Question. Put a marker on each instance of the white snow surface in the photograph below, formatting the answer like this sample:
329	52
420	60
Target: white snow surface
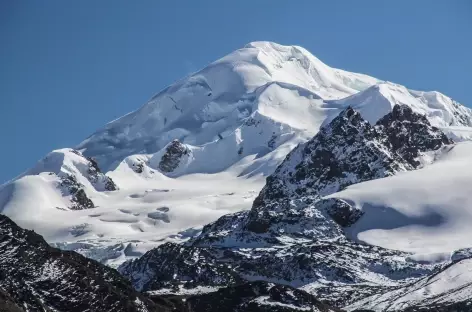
426	211
239	117
128	222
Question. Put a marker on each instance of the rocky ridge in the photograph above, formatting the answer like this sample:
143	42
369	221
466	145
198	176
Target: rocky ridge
37	277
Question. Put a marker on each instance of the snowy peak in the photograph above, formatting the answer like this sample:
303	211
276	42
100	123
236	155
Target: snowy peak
377	100
74	176
295	65
347	150
70	162
284	83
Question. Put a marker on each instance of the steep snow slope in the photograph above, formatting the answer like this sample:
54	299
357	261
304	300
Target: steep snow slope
252	101
234	122
263	77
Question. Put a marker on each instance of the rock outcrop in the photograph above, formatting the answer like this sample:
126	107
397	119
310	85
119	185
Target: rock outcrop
173	155
37	277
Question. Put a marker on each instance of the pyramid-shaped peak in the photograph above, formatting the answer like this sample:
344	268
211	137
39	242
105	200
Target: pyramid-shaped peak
349	119
402	113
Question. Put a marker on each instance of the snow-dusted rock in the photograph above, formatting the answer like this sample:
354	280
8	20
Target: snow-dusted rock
410	134
448	290
173	155
37	277
257	297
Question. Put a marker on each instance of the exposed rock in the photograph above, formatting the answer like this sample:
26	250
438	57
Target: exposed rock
8	304
95	176
87	167
342	213
346	151
37	277
70	186
173	156
81	201
461	254
272	141
409	134
164	264
138	167
257	297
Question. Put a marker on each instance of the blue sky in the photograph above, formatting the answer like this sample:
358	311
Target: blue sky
68	67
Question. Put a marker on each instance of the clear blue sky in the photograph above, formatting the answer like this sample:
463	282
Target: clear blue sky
68	67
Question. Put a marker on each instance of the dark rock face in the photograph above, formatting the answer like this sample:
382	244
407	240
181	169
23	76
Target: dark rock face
138	167
292	235
81	201
8	304
409	134
99	180
461	254
37	277
185	262
257	297
173	155
349	150
338	262
70	186
95	176
341	212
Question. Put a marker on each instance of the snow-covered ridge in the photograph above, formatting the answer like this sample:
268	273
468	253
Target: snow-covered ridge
287	87
378	100
69	162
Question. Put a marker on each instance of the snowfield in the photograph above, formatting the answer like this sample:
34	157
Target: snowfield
235	121
426	211
128	222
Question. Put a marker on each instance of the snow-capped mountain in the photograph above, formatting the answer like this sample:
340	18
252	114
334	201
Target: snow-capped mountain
301	230
372	172
199	149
